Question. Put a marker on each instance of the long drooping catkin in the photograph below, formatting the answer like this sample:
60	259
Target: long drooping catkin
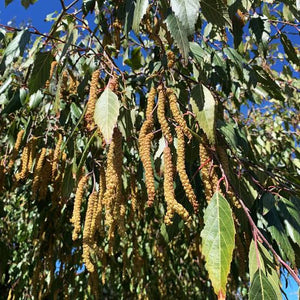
75	220
169	193
53	65
177	114
102	188
180	165
150	103
208	175
32	151
16	149
93	95
112	197
37	172
56	155
161	115
87	231
45	175
24	164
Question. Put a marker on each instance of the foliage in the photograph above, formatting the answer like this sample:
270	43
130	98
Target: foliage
113	106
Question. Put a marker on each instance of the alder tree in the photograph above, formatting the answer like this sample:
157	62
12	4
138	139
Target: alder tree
150	150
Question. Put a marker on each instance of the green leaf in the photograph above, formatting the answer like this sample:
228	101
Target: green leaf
218	241
291	218
215	12
179	34
261	259
261	288
106	113
35	99
15	48
135	62
139	12
88	6
187	12
289	49
41	71
203	105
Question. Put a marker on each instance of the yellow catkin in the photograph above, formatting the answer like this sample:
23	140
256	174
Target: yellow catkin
177	114
171	59
145	140
169	193
93	96
45	176
208	175
180	165
53	65
133	193
75	220
24	164
32	152
150	103
63	92
102	188
16	149
37	172
56	155
87	233
161	115
113	193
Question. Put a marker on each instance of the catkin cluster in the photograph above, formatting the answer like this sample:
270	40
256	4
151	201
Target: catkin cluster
20	176
93	95
16	149
75	220
208	174
177	114
169	193
145	139
37	174
181	169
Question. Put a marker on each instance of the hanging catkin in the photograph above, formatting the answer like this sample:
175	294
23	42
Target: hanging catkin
208	174
53	65
177	114
56	155
161	115
180	165
24	164
32	151
37	172
169	193
45	175
102	188
16	149
93	95
75	220
112	199
150	103
171	59
87	233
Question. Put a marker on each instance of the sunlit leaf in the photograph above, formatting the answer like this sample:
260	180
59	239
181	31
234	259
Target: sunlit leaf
106	113
204	105
218	241
139	12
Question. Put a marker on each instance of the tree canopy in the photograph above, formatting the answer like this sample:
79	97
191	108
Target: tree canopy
150	150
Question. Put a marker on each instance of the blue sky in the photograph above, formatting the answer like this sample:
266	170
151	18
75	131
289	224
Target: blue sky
15	15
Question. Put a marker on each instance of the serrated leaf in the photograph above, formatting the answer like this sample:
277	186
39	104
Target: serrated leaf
106	113
179	34
261	288
289	49
187	12
15	48
261	259
218	241
41	71
139	12
203	105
